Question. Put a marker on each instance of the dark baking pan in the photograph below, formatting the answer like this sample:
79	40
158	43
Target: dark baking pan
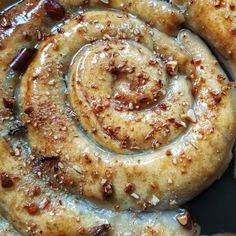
215	208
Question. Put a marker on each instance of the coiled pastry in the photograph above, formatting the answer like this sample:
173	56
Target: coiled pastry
107	119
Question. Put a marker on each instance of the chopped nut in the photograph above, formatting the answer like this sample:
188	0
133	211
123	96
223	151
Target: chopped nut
173	203
32	208
107	188
174	160
196	61
172	68
22	59
220	77
163	106
108	173
60	165
8	103
155	200
135	196
217	3
46	202
170	181
6	180
5	23
233	32
39	35
100	230
217	98
129	188
54	10
168	152
29	110
143	99
105	1
185	220
191	116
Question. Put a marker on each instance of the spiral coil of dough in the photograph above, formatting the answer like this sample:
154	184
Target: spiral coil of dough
120	115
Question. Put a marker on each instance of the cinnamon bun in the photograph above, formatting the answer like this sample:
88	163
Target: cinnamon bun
111	118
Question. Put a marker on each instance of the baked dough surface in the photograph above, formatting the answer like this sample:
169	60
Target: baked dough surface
119	117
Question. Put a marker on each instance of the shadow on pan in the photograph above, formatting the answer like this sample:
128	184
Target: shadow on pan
215	208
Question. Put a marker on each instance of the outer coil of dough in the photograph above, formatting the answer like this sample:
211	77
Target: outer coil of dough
215	22
63	214
145	122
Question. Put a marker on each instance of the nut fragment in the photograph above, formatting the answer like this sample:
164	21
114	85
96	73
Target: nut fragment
105	1
185	220
233	32
107	188
129	188
54	10
22	59
6	180
172	68
191	116
100	230
135	196
155	200
32	208
8	103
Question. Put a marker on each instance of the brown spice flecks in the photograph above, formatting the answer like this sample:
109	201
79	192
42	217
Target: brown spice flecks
124	142
107	188
163	106
113	133
100	230
34	191
185	220
6	180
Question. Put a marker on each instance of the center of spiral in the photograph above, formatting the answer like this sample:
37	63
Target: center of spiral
124	74
115	88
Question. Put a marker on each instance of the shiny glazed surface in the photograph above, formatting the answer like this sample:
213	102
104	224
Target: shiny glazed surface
118	112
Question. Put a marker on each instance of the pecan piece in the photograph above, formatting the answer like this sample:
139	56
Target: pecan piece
6	180
54	10
100	230
185	220
22	59
107	188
